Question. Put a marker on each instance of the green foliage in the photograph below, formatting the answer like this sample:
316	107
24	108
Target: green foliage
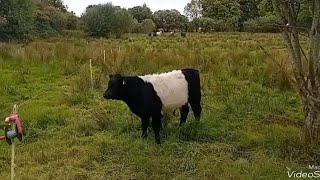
122	22
194	25
226	10
193	9
72	22
265	7
248	10
105	19
170	20
141	13
212	25
305	15
16	19
58	20
147	26
23	20
42	24
52	21
135	27
57	4
262	24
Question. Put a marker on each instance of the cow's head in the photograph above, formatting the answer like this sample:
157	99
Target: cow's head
115	87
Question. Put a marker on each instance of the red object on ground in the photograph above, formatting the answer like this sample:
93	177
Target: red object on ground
15	118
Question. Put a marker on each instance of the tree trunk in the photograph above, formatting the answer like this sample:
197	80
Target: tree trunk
312	124
308	82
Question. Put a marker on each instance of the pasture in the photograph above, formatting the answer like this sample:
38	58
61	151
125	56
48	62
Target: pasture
251	125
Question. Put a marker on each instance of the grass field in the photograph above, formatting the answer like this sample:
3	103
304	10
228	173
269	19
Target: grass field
251	126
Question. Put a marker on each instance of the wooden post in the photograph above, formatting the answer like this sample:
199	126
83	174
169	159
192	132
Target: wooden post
12	157
91	75
131	45
104	56
15	111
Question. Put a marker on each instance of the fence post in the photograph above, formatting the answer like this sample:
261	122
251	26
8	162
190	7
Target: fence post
91	75
14	111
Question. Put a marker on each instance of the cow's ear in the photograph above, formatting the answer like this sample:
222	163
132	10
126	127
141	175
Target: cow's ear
110	76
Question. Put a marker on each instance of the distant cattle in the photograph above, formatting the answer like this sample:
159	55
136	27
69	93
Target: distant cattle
183	34
151	96
172	33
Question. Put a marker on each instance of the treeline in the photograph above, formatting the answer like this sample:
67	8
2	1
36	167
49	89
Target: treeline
108	20
241	15
26	20
30	19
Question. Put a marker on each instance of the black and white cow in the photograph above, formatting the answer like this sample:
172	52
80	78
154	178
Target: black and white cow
150	96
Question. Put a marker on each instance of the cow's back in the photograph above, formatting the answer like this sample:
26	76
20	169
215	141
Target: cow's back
172	89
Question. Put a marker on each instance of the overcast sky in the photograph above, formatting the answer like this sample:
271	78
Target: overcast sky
78	6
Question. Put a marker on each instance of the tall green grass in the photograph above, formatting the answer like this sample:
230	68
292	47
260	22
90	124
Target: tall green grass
251	126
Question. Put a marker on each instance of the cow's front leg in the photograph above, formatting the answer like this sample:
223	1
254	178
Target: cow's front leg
156	125
144	126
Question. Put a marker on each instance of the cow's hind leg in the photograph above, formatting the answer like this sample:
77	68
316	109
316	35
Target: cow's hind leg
193	78
195	103
184	110
196	109
156	125
144	126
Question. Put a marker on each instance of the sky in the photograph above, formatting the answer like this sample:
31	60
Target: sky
78	6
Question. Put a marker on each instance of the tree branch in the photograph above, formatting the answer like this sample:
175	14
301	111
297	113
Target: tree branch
293	45
279	65
314	66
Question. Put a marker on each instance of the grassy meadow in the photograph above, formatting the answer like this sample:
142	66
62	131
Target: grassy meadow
251	126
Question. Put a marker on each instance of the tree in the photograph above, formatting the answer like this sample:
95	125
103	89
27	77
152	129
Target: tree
58	20
225	10
141	12
105	19
307	82
261	24
170	19
207	24
248	10
122	22
194	25
72	22
265	7
58	4
211	25
16	19
193	9
147	26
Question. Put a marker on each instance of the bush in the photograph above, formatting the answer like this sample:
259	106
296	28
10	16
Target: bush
42	25
72	22
147	26
58	20
212	25
104	20
48	23
135	27
262	24
15	19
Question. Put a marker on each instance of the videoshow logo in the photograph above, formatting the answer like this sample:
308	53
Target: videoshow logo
314	172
